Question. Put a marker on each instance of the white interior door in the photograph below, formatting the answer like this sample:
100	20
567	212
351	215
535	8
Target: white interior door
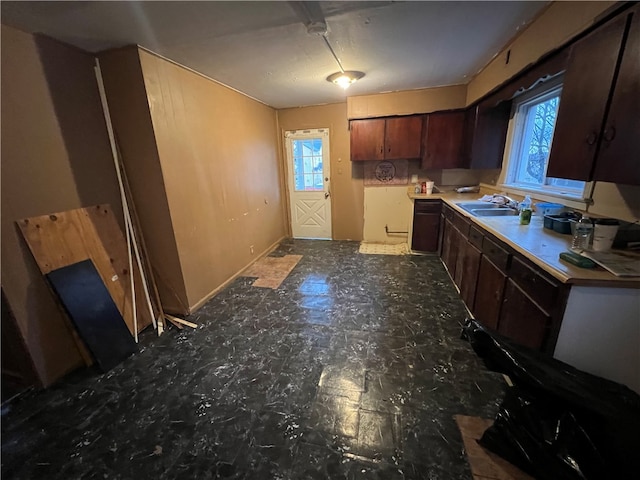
308	183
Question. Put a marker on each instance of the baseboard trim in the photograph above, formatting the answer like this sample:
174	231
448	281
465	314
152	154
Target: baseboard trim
216	290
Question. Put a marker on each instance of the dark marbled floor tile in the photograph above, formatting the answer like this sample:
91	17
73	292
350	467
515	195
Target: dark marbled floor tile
353	368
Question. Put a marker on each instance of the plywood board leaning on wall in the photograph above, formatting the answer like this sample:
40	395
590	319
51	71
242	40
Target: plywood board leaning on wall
61	239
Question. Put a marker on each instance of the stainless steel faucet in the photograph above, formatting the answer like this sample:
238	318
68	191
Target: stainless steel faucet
507	201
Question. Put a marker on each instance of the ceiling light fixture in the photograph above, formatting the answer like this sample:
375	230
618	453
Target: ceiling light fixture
343	78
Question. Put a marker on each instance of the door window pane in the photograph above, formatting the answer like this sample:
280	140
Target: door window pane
307	164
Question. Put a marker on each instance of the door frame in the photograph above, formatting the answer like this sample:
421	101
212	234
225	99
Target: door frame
325	133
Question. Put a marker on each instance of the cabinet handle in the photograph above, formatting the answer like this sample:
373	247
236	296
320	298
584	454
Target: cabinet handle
591	138
381	149
610	133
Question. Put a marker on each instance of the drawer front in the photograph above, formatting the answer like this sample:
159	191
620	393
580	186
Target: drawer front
448	212
427	206
541	290
498	255
462	224
475	237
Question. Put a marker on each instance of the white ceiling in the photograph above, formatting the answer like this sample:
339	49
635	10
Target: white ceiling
263	48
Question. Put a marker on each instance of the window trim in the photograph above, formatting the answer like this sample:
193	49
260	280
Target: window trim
514	144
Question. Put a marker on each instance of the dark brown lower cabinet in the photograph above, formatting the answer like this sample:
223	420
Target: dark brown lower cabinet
459	242
470	266
489	292
450	247
426	226
521	319
504	291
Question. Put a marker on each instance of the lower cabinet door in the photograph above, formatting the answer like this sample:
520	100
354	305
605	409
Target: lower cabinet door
521	319
426	229
450	247
489	292
470	266
458	242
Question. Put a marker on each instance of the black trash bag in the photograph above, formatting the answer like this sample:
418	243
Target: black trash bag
558	422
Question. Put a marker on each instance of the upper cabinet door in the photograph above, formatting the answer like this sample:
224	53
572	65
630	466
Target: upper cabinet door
619	155
403	137
443	140
489	126
585	91
367	139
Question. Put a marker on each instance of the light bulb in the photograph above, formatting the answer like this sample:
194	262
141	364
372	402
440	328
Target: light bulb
343	81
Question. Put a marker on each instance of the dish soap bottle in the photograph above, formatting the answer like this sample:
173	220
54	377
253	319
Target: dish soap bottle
582	234
525	211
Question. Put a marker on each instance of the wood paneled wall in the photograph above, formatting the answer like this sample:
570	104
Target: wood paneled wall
203	164
131	118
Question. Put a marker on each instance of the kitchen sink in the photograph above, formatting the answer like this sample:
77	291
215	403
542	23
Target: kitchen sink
468	206
485	209
494	212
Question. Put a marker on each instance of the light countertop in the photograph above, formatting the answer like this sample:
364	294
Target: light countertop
540	245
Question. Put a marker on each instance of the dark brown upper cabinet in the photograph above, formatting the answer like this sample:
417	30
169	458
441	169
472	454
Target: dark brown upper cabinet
597	133
486	134
391	138
367	139
443	140
619	153
402	137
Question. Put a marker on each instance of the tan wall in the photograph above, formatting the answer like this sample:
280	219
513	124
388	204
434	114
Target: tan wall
557	24
617	201
131	118
390	207
407	102
219	157
347	206
55	157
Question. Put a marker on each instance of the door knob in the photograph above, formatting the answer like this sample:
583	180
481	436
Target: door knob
326	195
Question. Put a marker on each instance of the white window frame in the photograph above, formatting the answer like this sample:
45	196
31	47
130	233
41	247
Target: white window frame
515	137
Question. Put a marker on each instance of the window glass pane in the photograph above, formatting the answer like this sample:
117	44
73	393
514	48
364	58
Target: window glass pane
308	165
297	165
317	164
307	147
299	179
308	182
537	136
566	183
317	181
